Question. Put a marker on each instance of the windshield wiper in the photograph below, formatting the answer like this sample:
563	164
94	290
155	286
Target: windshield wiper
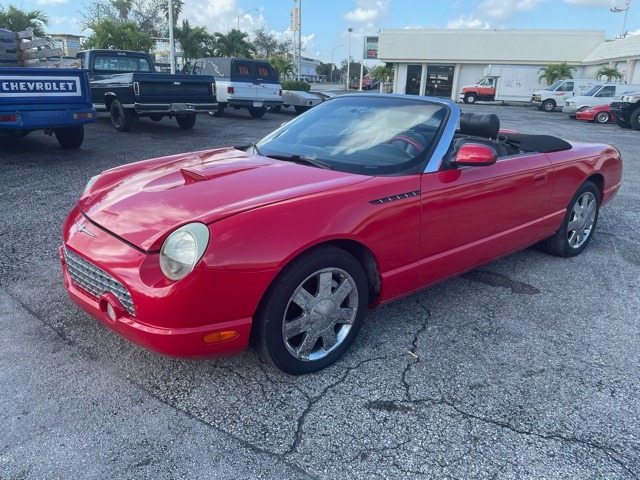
302	160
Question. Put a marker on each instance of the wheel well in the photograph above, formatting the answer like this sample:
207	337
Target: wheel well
368	262
598	181
108	100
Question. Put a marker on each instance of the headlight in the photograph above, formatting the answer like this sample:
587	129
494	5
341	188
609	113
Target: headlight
182	250
89	184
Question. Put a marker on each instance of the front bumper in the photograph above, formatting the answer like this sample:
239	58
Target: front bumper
570	110
173	108
171	318
536	103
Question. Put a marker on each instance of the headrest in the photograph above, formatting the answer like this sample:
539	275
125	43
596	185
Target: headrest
477	125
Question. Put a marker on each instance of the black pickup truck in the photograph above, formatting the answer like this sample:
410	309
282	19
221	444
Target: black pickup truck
627	111
126	85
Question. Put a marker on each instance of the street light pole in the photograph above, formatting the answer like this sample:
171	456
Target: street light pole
349	56
172	43
332	65
624	9
299	39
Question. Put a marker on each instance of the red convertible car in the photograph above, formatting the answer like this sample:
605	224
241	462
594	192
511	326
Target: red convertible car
598	114
360	201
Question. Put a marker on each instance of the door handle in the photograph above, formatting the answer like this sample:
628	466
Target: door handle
540	177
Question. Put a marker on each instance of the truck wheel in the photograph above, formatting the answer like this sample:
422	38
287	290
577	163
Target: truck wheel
70	137
121	119
634	119
257	112
548	106
470	98
301	109
220	111
623	123
186	121
276	109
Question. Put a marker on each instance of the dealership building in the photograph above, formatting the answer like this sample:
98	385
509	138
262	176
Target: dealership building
439	62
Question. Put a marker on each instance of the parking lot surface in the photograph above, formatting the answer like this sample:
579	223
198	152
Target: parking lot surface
526	368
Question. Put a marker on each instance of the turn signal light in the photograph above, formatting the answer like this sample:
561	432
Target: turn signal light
222	336
9	118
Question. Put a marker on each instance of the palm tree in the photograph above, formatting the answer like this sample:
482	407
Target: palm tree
177	10
123	7
233	44
611	73
193	40
18	20
283	66
111	34
554	72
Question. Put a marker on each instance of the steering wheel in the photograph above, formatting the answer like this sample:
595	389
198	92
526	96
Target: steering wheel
411	143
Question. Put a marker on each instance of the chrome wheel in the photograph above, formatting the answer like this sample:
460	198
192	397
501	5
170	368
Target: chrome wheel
602	117
320	314
582	220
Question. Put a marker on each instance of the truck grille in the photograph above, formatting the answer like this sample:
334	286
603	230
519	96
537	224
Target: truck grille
96	281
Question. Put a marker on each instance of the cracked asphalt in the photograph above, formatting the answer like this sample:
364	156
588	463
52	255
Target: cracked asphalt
527	368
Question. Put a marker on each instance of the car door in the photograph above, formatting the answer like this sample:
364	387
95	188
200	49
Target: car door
471	215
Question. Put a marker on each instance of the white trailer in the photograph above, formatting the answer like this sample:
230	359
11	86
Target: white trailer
505	83
301	101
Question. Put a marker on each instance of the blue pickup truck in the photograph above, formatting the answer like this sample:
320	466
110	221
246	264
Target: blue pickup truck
57	101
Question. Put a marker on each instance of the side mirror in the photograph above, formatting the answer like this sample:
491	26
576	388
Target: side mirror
475	155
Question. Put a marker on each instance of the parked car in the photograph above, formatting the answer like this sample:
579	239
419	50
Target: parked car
598	114
242	83
557	94
357	202
126	84
627	110
600	94
57	101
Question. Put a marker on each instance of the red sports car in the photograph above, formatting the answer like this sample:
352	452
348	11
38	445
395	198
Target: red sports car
360	201
599	114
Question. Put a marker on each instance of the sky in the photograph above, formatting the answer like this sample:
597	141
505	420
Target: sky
325	23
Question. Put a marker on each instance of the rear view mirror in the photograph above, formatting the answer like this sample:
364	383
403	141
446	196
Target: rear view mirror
475	154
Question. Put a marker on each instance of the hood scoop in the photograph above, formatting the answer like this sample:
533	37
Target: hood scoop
201	173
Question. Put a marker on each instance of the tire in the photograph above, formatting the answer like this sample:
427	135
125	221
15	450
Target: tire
19	133
276	109
578	225
634	119
121	118
623	123
220	111
470	98
320	297
257	112
156	117
602	117
186	122
548	106
301	109
70	137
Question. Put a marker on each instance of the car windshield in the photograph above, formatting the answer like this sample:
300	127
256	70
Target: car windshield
361	134
592	91
555	85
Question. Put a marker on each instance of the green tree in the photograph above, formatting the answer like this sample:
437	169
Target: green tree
553	72
354	69
381	72
324	69
111	34
178	5
123	7
17	20
265	43
283	66
611	73
233	44
193	40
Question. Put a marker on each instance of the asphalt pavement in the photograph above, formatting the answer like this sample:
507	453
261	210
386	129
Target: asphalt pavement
526	368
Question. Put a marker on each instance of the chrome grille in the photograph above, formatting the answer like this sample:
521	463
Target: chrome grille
96	281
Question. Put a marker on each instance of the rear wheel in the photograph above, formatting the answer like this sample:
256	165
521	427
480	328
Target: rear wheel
70	137
257	112
548	106
220	111
623	123
634	119
312	312
186	121
602	117
121	118
578	225
470	98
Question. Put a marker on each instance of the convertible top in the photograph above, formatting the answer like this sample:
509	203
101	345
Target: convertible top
537	143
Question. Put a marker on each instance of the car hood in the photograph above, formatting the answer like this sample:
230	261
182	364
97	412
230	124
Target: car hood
145	206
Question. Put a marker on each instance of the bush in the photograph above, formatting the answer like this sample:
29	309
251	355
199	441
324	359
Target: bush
300	86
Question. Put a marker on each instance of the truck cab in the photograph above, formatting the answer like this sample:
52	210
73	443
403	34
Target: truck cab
557	94
484	90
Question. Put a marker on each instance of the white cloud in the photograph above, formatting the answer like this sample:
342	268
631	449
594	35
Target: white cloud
494	13
594	3
50	3
465	21
371	12
216	15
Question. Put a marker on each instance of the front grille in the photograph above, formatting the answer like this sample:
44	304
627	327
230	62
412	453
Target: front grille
95	281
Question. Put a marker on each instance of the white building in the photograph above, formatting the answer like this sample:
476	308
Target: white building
440	61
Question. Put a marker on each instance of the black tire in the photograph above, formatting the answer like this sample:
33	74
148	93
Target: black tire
583	210
220	111
186	121
19	133
257	112
301	109
470	98
121	118
325	310
70	137
548	106
276	109
634	119
602	117
156	117
623	123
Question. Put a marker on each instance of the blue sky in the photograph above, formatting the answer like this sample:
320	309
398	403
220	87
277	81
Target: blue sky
325	22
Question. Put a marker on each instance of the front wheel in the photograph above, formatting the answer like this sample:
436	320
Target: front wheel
257	112
548	106
121	118
312	312
470	98
634	119
602	117
578	225
186	121
70	137
623	123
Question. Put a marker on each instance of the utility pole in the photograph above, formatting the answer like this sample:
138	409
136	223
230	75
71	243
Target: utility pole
299	39
349	56
172	45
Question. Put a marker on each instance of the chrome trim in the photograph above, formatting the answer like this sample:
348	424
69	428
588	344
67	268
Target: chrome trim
95	281
434	163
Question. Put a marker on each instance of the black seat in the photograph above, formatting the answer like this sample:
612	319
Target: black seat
476	125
